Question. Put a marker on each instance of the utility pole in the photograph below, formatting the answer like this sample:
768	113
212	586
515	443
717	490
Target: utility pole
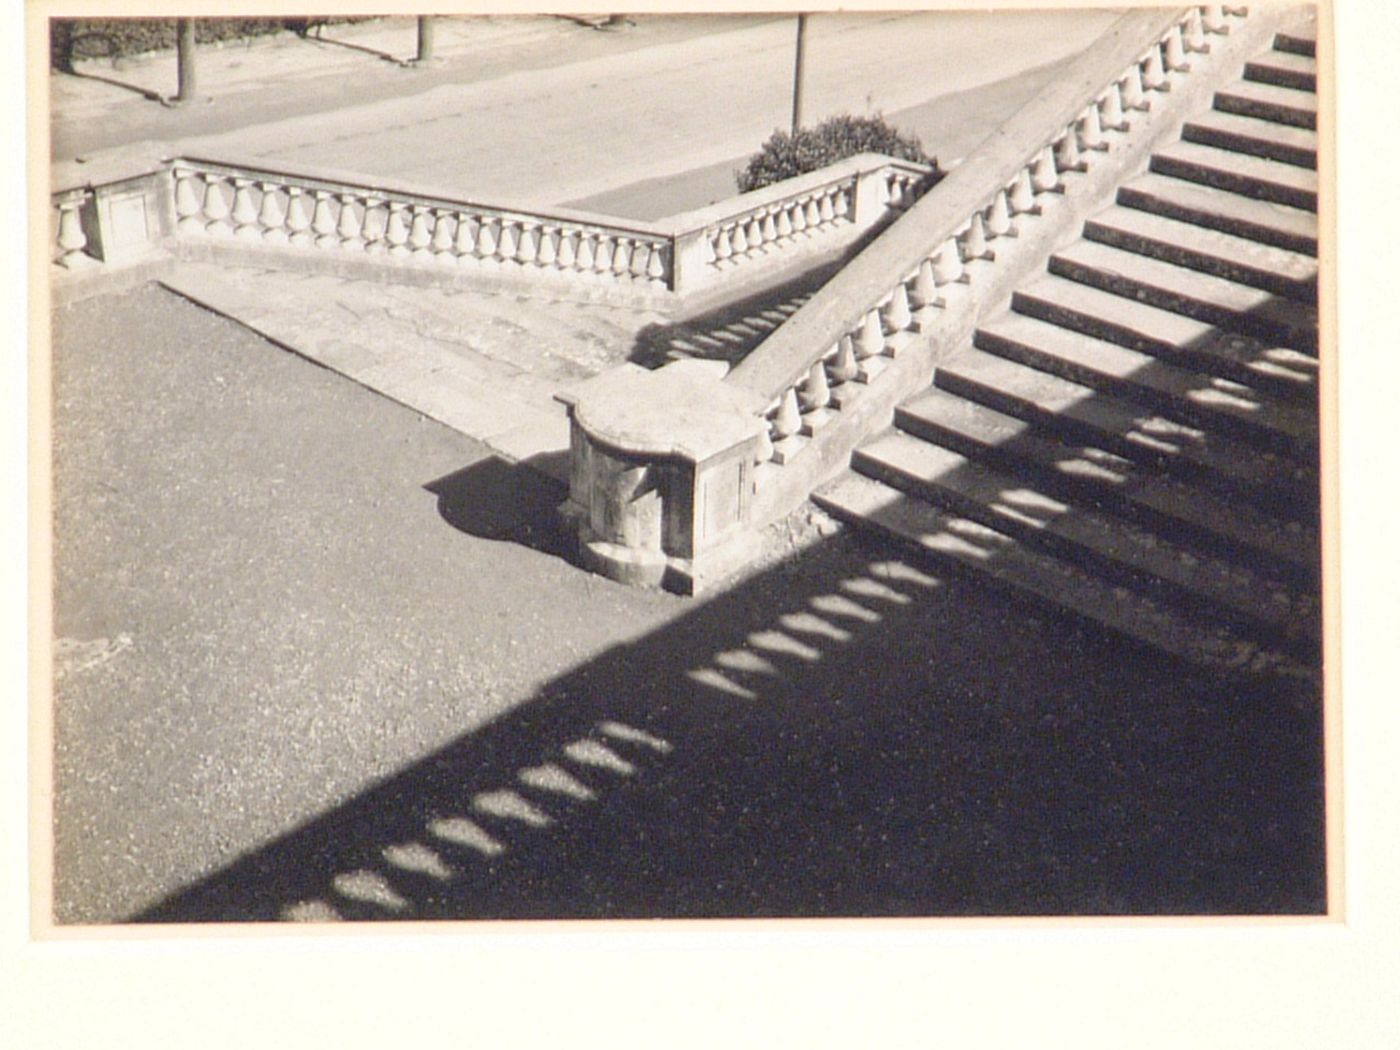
797	73
425	41
184	47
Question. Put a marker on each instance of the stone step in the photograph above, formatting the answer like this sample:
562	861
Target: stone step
1171	336
1082	413
1259	138
1298	40
1086	537
1205	297
1202	205
1201	400
961	543
1238	259
1257	177
1284	68
1089	474
1285	105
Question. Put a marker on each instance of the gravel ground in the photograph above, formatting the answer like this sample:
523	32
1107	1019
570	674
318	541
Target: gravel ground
318	658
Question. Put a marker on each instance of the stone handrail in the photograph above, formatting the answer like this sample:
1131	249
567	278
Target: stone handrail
218	200
859	191
841	339
213	202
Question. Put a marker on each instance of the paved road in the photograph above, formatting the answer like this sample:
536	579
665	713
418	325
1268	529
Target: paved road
657	101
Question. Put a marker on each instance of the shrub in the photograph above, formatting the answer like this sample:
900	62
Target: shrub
785	155
79	38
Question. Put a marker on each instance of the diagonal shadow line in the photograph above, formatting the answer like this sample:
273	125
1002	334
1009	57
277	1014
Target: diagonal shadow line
146	93
384	55
898	767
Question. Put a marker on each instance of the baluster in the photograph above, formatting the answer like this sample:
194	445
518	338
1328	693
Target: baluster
486	239
548	252
814	213
323	220
244	213
72	241
216	208
1175	52
188	203
1213	18
1112	116
622	256
1196	31
641	260
1067	156
825	209
1091	130
507	242
974	240
738	240
586	255
925	288
788	419
527	247
844	368
764	451
568	250
722	247
799	218
1154	75
420	233
271	215
947	264
770	229
871	340
350	226
603	254
843	204
444	235
816	393
783	223
753	234
464	245
999	216
374	224
1022	198
298	220
1044	177
1133	95
396	231
656	264
897	315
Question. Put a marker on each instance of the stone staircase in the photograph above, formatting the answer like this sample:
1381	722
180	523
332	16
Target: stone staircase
1135	439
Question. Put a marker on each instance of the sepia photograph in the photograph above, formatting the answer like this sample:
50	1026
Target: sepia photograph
511	468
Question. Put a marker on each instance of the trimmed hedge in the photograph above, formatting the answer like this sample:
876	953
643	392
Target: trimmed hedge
80	38
785	155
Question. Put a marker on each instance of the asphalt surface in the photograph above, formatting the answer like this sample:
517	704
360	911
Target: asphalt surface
319	658
499	121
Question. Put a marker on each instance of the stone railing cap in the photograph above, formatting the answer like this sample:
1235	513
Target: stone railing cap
675	412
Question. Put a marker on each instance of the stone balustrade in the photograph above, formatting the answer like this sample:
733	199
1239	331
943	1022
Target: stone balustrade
821	362
274	209
832	374
214	202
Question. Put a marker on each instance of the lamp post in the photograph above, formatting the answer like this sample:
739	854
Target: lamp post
797	73
425	41
184	46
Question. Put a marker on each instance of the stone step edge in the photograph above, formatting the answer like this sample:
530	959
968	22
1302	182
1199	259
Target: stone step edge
859	500
1148	498
1129	564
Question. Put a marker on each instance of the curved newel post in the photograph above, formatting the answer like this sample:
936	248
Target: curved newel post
661	471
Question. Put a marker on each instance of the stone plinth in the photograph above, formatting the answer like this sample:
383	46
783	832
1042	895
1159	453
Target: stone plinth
661	468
